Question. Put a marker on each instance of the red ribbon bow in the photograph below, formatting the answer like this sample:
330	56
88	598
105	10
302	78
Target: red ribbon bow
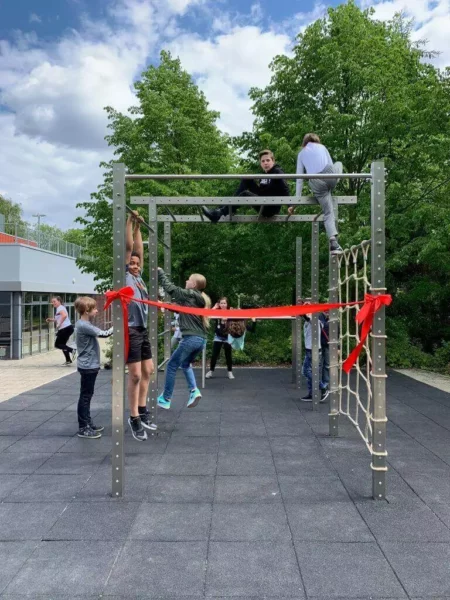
372	304
125	295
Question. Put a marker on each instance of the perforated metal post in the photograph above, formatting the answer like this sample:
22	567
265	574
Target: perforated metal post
333	343
297	322
118	355
315	318
378	374
204	367
153	311
168	315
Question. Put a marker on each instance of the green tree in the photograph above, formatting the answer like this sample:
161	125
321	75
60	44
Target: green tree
12	211
170	130
368	91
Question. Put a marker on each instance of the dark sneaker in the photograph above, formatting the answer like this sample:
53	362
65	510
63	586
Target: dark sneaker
325	394
147	422
98	428
137	431
88	433
212	215
307	398
335	247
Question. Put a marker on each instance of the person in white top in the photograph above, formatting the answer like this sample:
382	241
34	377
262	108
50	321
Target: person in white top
315	158
64	330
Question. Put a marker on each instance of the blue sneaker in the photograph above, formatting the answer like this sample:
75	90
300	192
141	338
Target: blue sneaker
194	398
163	403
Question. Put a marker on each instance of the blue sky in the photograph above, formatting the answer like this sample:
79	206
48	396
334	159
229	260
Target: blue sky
63	61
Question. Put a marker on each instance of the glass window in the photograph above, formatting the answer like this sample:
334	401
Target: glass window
26	330
5	297
27	298
36	298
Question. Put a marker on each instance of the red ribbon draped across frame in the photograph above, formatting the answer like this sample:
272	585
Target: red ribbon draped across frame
365	316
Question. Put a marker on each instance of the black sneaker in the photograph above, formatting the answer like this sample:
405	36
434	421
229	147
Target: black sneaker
307	398
137	431
212	215
147	421
88	433
325	394
335	247
98	428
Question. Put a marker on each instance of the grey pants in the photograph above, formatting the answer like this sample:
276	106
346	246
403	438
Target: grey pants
321	189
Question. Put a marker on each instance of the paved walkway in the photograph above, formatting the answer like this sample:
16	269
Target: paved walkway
244	496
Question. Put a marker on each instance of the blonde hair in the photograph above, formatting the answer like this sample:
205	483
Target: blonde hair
85	304
267	151
200	284
310	137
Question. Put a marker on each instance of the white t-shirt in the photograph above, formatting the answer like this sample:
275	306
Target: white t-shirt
66	322
313	158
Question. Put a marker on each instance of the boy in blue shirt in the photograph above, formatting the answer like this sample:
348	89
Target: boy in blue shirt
88	364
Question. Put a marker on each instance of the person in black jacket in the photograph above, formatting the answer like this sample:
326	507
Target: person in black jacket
251	187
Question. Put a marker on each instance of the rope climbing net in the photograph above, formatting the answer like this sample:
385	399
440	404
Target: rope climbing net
355	388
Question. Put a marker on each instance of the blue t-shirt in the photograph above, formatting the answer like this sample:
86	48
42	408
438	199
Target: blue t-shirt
137	312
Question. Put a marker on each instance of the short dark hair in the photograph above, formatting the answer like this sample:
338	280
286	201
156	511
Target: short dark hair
266	151
310	137
85	304
136	254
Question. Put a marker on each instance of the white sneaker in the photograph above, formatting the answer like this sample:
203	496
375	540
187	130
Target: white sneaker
209	374
230	375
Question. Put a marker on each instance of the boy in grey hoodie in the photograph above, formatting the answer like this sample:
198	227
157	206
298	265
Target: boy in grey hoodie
88	364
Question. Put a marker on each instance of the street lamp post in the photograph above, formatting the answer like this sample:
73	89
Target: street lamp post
38	217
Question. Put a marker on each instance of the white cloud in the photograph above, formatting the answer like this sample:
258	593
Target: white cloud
34	18
228	65
431	22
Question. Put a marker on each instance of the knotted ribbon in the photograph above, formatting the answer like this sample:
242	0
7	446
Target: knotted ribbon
371	305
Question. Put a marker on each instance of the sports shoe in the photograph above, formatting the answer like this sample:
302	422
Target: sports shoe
307	398
209	375
137	431
98	428
194	398
325	394
212	215
230	375
68	363
74	354
163	403
88	433
147	421
335	247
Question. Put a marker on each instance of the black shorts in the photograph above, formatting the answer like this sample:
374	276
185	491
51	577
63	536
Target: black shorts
139	348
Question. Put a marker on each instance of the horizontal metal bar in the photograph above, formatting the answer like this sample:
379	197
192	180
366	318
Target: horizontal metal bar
242	219
131	177
237	200
164	332
141	221
163	363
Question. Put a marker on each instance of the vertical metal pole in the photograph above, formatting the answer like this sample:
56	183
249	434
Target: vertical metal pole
118	354
297	322
333	343
204	367
315	318
153	311
378	374
168	315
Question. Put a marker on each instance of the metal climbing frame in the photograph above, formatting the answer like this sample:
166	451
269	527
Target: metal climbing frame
119	217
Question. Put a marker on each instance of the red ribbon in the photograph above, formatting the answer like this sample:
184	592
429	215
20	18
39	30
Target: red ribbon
125	295
372	304
365	316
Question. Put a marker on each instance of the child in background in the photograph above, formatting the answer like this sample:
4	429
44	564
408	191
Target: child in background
88	364
307	363
193	330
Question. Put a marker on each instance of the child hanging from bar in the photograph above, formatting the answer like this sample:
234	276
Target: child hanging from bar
193	330
88	364
139	360
315	158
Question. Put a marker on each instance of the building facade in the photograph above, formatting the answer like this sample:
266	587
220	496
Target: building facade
29	277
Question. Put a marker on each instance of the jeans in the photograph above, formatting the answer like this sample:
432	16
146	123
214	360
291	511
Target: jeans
321	189
307	370
62	337
88	377
189	347
217	346
325	366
